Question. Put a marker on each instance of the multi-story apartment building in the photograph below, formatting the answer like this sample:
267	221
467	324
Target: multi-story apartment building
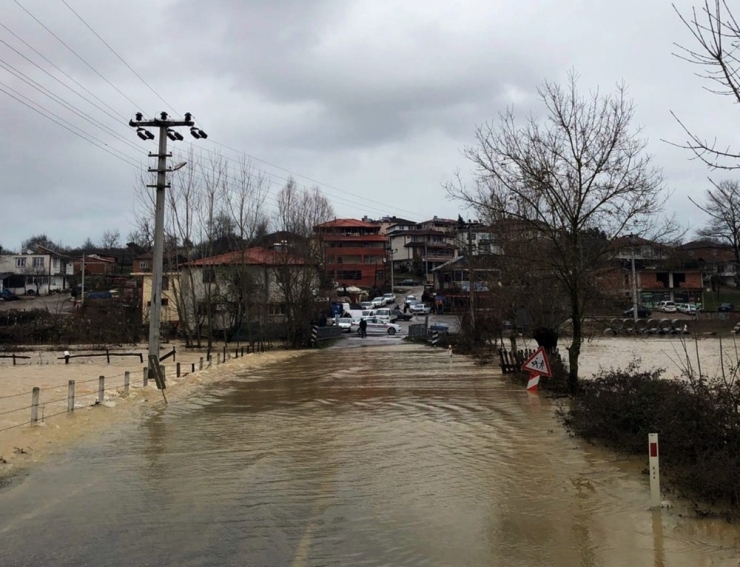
354	252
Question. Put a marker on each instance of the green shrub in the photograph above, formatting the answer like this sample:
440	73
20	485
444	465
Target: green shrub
698	422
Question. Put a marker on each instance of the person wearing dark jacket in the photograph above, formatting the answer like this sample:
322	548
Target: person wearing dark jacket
363	328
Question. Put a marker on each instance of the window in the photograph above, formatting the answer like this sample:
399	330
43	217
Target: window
350	275
20	262
165	284
209	275
143	265
38	262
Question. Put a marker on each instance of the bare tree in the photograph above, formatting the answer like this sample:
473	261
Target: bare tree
299	274
581	169
723	207
111	239
716	34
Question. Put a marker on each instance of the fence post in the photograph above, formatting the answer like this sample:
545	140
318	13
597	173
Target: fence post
71	396
218	358
192	368
101	389
126	382
243	351
162	370
35	405
146	376
201	363
107	355
177	367
13	359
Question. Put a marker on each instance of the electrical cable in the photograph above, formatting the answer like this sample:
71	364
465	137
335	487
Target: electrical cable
63	126
75	53
37	52
119	57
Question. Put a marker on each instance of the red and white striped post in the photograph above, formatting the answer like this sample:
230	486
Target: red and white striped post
654	467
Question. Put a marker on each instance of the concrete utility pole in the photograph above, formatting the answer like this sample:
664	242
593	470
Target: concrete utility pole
165	125
631	241
471	278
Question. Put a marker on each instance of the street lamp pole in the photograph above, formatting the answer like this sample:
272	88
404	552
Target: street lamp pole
390	253
631	241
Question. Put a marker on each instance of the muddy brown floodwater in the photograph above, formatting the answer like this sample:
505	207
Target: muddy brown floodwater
381	453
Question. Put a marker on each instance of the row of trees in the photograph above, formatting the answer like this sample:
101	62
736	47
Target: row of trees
579	178
214	207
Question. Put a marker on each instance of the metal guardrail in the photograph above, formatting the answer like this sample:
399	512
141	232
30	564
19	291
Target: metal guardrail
418	331
326	333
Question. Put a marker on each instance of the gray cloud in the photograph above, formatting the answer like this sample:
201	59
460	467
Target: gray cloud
373	97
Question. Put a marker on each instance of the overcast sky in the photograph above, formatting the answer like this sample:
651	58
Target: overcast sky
373	99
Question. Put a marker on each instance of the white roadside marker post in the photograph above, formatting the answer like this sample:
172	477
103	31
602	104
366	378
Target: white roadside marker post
654	466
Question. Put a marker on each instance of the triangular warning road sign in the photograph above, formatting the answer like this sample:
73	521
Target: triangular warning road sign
538	363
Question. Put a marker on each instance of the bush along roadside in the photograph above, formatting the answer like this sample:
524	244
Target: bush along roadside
698	421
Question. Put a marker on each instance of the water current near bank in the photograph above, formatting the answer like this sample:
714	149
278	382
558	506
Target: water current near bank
377	453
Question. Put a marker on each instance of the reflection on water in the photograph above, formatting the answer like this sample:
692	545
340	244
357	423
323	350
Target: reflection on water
380	455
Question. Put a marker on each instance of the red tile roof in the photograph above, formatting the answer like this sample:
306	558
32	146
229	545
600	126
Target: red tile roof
252	256
347	223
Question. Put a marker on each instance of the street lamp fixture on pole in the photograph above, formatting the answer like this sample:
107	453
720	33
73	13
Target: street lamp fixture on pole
165	125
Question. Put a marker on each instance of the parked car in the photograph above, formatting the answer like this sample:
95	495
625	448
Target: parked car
667	307
377	327
687	308
726	307
345	323
439	327
411	299
419	308
8	295
389	298
407	282
378	301
367	305
397	314
642	312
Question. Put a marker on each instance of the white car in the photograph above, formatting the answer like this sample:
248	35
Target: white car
667	307
389	298
367	305
687	308
345	323
410	299
378	301
377	327
419	308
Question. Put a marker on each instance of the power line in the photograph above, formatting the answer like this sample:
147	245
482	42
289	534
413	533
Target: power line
37	52
308	178
334	198
119	57
70	128
75	53
59	100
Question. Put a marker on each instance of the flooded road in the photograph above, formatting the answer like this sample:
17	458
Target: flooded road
381	454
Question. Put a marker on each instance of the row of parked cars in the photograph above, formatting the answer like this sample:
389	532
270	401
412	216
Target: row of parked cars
665	307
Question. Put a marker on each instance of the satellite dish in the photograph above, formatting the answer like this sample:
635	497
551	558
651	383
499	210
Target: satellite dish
29	251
